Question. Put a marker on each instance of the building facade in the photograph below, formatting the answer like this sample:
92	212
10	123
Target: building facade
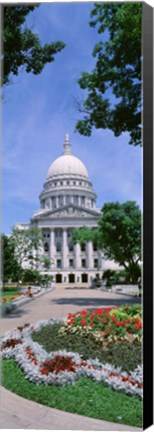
68	201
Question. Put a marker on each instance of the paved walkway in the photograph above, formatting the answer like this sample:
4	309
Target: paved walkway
25	414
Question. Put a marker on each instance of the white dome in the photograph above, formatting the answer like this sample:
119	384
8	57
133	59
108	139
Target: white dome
67	164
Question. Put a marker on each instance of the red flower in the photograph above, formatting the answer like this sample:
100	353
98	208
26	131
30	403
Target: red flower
113	374
58	363
98	311
35	361
72	321
83	322
71	315
84	314
138	326
118	324
11	343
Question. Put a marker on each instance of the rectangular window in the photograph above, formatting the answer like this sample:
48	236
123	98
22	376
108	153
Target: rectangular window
95	262
71	263
58	263
83	263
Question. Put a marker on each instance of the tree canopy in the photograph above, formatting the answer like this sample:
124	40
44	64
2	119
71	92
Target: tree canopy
118	234
85	234
21	47
114	85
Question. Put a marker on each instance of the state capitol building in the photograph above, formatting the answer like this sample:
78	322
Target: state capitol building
68	201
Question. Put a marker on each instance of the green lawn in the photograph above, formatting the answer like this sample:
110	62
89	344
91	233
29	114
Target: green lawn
85	397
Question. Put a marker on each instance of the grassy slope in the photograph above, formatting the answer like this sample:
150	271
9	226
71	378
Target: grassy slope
86	397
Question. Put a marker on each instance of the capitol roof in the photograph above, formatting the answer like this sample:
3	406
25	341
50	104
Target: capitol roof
67	163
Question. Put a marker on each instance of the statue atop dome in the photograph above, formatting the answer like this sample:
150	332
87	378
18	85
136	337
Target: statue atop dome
67	145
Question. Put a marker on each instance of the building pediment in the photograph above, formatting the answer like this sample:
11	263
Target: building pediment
68	212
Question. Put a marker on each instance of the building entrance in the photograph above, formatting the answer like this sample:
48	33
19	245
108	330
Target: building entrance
58	278
84	278
71	278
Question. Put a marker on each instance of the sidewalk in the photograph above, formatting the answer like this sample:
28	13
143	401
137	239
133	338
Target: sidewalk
25	414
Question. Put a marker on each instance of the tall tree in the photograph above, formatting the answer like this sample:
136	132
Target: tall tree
26	243
21	47
10	267
114	86
119	236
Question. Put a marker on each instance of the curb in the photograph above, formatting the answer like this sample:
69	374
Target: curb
27	300
120	293
14	306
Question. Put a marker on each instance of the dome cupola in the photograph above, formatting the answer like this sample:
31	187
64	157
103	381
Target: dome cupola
67	164
67	182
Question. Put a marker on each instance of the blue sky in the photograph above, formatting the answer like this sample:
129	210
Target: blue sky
39	110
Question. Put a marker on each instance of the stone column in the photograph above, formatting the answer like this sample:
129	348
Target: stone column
57	203
100	260
52	247
64	249
77	256
89	254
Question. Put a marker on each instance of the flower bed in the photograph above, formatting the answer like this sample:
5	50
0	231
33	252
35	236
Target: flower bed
107	324
10	298
63	367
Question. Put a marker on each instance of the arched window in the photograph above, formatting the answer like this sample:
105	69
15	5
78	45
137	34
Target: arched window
46	247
